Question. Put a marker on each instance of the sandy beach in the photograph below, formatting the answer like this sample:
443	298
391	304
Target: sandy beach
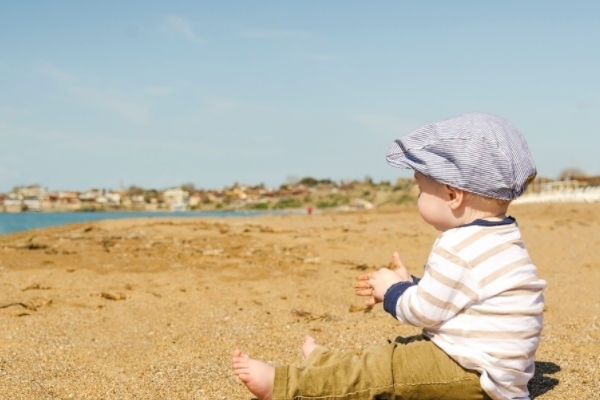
152	308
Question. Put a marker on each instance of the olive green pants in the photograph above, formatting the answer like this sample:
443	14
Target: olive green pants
408	368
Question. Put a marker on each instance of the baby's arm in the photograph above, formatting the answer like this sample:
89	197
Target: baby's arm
376	284
446	288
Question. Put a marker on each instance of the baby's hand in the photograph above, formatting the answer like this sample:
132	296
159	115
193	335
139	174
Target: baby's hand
400	268
362	287
375	284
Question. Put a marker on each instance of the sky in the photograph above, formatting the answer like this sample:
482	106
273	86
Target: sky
158	94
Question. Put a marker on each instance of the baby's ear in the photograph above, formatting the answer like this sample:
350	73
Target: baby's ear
455	197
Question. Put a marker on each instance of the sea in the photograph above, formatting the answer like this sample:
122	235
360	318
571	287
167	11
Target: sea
25	221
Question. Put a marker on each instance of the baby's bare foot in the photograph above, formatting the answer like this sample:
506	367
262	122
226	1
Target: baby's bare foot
256	375
308	346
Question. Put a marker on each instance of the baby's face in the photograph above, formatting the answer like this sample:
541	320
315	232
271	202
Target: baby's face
432	203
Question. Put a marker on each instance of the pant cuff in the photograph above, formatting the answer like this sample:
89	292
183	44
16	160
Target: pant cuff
280	382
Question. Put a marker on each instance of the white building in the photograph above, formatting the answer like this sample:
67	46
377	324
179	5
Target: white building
176	199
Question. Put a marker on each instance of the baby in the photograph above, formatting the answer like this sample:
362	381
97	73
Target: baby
479	302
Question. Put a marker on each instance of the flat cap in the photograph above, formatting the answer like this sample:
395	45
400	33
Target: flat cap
477	152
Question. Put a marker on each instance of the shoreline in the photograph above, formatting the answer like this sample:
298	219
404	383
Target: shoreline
26	221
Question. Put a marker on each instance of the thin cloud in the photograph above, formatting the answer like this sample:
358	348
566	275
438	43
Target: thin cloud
7	173
55	73
384	124
36	134
134	112
113	100
11	112
160	91
582	105
261	139
85	88
179	26
66	78
321	57
222	105
165	143
275	34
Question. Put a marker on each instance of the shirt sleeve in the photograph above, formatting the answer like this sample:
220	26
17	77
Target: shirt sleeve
446	288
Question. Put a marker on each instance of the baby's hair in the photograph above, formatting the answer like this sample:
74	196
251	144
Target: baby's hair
489	200
499	202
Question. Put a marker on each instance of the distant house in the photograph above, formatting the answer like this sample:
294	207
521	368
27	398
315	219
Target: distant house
195	199
68	197
113	198
267	192
68	200
31	192
213	196
109	199
90	196
49	201
240	192
13	203
25	198
138	199
32	204
176	199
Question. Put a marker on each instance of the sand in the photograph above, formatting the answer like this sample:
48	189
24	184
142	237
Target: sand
151	309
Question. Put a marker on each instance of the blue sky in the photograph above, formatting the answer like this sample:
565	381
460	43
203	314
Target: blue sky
156	94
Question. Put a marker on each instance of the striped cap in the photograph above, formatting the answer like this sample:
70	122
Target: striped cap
477	152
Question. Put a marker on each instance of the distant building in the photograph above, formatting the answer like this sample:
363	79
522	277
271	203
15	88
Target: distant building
113	198
138	199
24	198
31	192
176	199
109	199
90	196
32	204
13	203
68	197
195	199
49	201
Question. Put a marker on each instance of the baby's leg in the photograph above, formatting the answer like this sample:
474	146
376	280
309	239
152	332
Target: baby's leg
327	374
432	374
256	375
324	373
308	346
259	376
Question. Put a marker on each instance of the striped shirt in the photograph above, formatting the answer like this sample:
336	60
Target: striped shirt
480	301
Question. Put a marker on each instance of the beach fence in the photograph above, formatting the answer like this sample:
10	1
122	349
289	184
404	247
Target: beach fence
560	192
